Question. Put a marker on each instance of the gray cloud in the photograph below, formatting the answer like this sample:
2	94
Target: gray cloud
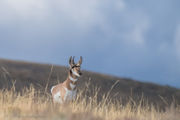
177	41
119	37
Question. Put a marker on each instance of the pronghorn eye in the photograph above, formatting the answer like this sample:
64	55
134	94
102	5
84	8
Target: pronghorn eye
75	66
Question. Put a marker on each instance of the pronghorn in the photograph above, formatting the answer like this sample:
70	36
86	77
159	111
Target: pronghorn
66	91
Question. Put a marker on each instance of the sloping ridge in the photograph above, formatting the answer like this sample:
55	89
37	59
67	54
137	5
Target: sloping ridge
25	74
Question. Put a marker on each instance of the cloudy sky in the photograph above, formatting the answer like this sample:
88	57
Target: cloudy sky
134	39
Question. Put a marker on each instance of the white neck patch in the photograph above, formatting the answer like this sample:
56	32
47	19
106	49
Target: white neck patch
72	79
72	86
75	73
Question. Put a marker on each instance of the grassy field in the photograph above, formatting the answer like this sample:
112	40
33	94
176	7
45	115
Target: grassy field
44	76
30	104
25	95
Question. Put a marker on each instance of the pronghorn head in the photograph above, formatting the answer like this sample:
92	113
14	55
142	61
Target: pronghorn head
75	68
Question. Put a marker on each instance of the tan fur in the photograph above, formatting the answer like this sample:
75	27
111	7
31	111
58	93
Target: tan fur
58	88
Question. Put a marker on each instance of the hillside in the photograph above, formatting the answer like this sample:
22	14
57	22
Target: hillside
24	74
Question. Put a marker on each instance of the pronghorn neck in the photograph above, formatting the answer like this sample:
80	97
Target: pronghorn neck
71	81
72	76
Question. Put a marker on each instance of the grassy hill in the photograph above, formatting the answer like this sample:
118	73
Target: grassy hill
43	76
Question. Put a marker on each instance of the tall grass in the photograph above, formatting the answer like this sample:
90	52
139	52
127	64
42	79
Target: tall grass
30	104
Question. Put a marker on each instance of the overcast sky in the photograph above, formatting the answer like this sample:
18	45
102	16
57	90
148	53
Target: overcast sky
134	39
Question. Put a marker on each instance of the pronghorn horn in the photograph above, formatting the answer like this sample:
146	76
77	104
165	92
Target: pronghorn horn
70	60
80	61
73	61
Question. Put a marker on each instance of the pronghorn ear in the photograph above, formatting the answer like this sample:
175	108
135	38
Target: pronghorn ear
80	61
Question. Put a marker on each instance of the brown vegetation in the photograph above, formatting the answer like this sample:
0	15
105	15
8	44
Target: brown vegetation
25	95
43	76
32	105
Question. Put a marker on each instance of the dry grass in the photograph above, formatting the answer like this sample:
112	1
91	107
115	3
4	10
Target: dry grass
43	76
34	105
